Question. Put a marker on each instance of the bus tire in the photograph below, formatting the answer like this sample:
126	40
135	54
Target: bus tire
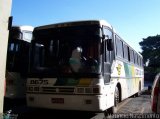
116	96
139	90
114	109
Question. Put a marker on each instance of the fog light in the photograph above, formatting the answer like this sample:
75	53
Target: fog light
88	101
31	99
96	90
88	90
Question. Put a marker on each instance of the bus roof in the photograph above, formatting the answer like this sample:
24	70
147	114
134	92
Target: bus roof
24	28
75	23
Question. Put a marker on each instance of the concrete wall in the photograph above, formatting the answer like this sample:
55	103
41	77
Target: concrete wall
5	10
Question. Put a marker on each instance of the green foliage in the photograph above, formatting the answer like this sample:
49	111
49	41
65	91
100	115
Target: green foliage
151	51
151	54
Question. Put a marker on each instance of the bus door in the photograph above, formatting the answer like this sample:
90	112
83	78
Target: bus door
107	57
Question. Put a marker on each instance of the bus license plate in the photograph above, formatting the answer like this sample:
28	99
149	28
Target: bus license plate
57	100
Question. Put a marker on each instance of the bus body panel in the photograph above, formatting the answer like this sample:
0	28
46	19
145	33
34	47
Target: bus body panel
128	76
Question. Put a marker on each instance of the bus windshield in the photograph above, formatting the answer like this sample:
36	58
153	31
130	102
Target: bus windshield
66	50
27	36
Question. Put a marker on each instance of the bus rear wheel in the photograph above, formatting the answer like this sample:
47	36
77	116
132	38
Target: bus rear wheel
139	90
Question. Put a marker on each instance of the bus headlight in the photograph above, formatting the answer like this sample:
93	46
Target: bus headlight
80	90
88	90
32	89
36	88
96	90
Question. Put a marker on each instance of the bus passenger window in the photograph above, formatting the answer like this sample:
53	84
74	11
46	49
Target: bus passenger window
12	47
119	47
126	52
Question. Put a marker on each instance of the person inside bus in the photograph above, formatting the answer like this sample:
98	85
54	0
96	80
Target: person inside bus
75	60
91	63
80	63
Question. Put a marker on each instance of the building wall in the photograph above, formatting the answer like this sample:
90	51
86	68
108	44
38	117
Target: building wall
5	10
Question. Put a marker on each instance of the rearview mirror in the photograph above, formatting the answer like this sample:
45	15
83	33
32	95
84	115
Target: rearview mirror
109	45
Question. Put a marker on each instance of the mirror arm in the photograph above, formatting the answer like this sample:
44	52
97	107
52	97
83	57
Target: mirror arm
103	36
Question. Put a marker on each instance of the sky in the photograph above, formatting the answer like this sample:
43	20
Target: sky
133	20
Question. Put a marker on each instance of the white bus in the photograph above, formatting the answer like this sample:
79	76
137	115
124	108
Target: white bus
17	61
82	65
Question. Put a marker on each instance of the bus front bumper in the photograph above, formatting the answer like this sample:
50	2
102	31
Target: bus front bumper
68	102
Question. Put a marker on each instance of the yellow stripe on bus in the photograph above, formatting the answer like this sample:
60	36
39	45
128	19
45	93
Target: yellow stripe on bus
84	82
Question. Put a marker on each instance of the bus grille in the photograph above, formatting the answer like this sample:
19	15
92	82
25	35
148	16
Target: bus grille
67	90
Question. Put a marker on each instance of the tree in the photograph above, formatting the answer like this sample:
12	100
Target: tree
151	54
151	51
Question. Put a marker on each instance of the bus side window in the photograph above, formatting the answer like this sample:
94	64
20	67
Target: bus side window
108	35
107	32
131	56
126	52
108	53
11	48
119	47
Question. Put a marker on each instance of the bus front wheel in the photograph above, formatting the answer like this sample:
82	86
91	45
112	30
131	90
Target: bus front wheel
113	109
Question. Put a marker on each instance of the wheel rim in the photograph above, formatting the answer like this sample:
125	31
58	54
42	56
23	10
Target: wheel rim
116	96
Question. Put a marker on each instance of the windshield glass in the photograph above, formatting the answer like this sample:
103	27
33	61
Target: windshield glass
27	36
66	50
